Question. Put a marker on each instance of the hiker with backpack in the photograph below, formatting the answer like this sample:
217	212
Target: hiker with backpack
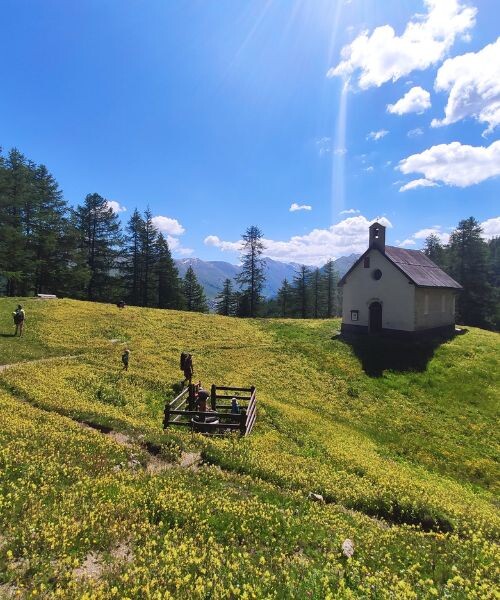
187	367
19	317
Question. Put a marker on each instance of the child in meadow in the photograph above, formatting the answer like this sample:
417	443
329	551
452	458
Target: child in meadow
125	358
19	317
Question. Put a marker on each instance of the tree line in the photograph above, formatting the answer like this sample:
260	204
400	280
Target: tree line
475	264
83	252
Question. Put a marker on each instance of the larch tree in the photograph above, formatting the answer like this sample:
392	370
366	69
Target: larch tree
252	276
168	284
225	299
469	265
285	297
100	240
330	289
194	295
302	291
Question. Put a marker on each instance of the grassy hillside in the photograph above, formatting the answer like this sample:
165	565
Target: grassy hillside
97	502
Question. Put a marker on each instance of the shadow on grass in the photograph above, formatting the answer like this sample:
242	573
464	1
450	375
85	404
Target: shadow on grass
8	335
378	354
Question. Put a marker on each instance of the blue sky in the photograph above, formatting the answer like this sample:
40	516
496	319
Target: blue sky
222	114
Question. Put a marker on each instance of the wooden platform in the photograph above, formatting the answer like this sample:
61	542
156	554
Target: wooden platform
219	420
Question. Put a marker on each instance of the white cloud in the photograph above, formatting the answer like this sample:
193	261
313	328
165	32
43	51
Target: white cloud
416	100
213	240
416	183
115	206
406	243
314	248
369	169
349	211
377	135
324	145
455	164
491	228
423	234
415	132
168	225
383	56
295	207
473	83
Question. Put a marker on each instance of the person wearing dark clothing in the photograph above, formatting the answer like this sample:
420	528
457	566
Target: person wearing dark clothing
19	317
125	359
187	367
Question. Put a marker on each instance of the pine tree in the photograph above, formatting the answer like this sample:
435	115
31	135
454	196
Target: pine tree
132	266
469	266
100	240
194	296
252	278
285	298
317	295
168	284
435	250
330	289
225	300
301	288
149	236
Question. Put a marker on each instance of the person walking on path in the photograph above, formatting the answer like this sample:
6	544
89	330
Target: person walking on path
19	317
125	358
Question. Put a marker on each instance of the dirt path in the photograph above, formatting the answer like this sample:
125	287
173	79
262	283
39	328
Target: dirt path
37	360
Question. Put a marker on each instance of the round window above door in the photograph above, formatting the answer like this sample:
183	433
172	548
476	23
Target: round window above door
377	274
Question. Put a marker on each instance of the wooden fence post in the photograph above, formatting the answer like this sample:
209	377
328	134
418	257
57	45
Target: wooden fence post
243	422
166	415
191	396
213	397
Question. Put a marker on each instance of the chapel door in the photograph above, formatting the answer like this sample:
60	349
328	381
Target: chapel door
375	317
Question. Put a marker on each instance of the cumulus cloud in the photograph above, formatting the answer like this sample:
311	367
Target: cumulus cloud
406	243
455	164
416	100
115	206
473	83
349	211
491	228
415	132
377	57
436	230
168	225
214	240
314	248
377	135
294	207
416	183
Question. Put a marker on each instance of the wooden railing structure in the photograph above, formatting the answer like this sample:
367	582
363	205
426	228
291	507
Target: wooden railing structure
182	410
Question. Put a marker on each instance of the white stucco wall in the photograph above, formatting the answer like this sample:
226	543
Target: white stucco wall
435	311
393	291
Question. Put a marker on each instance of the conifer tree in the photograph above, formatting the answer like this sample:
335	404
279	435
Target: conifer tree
252	277
225	299
149	236
101	240
435	250
301	288
469	266
168	284
317	295
132	266
285	298
194	296
330	289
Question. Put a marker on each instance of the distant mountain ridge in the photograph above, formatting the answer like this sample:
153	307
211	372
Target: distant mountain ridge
212	273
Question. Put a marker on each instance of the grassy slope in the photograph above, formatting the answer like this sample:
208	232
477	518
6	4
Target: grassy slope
416	447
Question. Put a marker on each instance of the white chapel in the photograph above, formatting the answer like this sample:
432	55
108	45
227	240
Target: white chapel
397	291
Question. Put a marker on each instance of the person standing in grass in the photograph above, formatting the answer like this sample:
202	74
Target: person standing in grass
187	367
19	318
125	359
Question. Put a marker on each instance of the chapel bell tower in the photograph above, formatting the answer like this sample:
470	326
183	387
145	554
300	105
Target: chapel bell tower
377	237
